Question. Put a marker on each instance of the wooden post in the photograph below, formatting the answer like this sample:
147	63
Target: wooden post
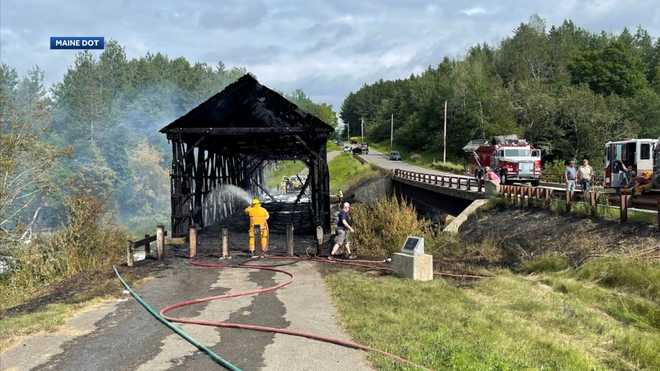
160	241
658	208
623	208
147	246
548	196
192	241
289	239
129	254
225	243
568	201
593	201
525	200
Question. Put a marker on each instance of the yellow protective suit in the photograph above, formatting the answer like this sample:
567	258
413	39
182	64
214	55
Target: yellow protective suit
258	217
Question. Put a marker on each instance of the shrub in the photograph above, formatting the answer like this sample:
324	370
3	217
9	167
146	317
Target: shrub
382	227
85	244
554	171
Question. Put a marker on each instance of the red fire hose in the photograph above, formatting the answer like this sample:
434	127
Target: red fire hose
345	343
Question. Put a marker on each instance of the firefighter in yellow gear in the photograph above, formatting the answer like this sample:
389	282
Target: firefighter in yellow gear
258	217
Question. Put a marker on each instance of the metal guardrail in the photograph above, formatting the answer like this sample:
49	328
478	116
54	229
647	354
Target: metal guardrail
463	183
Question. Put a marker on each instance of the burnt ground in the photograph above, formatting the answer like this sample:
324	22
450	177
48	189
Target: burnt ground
119	335
533	232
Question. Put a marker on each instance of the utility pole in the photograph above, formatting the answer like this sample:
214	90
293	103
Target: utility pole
348	132
362	129
392	133
444	138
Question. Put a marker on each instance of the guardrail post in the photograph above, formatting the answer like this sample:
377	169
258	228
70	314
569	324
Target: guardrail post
192	241
225	243
289	239
623	208
593	202
568	201
547	197
468	183
160	241
129	254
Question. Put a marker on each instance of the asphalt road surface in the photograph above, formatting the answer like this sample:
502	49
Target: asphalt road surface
121	335
381	160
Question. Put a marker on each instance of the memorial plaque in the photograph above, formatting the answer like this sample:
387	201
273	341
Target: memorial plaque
413	246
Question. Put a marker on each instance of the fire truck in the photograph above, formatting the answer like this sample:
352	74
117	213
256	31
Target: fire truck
513	159
633	165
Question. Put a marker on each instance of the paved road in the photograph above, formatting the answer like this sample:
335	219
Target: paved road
379	159
120	335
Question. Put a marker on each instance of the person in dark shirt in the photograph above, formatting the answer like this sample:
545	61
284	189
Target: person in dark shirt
343	229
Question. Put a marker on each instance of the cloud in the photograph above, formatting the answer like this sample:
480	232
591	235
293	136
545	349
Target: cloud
326	48
473	11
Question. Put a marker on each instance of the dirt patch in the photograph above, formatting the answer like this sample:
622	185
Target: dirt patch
522	234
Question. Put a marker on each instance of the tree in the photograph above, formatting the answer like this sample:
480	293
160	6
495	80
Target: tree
25	159
321	110
612	70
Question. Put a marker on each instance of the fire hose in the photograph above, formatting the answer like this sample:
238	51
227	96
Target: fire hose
167	320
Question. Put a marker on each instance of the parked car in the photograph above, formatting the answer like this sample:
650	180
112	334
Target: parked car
357	150
347	148
395	156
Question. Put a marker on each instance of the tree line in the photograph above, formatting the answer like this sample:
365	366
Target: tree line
95	133
565	89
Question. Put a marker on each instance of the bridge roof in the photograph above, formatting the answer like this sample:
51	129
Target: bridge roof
247	107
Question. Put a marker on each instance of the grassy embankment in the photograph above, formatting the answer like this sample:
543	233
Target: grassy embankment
346	171
53	277
282	169
542	314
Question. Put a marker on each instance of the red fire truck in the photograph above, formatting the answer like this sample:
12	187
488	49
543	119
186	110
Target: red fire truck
513	159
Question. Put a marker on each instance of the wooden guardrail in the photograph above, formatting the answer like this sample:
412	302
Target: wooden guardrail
159	238
521	196
469	184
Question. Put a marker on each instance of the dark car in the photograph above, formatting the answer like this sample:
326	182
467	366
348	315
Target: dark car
395	156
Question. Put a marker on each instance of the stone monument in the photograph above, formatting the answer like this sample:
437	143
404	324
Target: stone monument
411	262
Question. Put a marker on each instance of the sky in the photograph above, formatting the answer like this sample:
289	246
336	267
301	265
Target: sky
326	48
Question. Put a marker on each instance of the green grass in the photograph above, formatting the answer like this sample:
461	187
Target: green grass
545	263
332	146
346	171
509	322
284	168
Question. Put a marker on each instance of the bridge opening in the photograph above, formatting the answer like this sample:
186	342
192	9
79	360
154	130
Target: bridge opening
235	140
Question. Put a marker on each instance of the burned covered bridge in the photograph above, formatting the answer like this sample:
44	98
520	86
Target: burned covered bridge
229	139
